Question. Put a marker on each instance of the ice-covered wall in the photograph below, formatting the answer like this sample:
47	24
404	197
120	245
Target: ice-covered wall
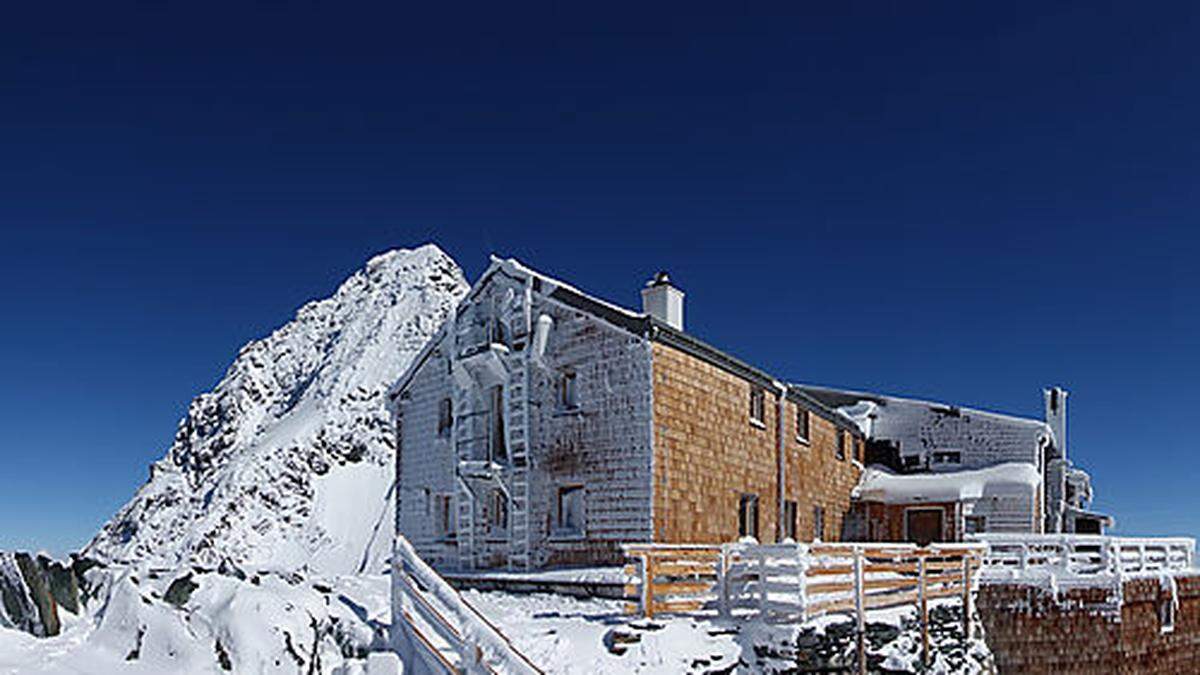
600	443
603	444
425	461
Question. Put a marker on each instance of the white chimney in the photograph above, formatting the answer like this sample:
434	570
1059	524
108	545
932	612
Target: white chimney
1056	417
663	301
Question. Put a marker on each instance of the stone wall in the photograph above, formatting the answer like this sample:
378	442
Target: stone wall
708	453
1092	630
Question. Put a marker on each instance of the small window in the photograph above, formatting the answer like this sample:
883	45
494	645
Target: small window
1166	613
947	457
748	516
818	523
445	416
841	445
498	518
975	524
443	520
497	446
789	519
571	512
758	405
801	424
858	451
497	331
568	398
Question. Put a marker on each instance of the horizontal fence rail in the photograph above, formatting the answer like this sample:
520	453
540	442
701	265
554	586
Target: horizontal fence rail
1083	556
795	582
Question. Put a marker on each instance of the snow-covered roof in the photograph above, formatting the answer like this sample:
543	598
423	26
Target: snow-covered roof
881	485
917	427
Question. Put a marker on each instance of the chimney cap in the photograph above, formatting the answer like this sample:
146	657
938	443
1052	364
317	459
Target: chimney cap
660	279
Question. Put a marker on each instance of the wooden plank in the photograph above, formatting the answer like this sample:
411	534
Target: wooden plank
682	587
669	568
679	606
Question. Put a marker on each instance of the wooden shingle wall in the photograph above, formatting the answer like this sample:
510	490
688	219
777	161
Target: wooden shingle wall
708	453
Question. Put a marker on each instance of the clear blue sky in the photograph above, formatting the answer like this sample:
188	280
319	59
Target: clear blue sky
961	201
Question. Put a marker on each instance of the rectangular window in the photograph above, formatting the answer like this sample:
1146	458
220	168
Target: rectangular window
841	444
498	518
975	524
748	516
443	521
758	405
801	424
445	416
497	446
570	514
818	523
567	393
789	519
858	451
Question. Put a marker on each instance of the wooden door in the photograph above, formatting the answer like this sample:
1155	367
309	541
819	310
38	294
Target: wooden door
923	526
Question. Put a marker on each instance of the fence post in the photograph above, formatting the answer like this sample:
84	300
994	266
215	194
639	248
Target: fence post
923	609
762	583
802	571
648	585
966	595
723	582
860	610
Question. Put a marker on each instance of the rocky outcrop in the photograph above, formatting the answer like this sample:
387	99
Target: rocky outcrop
32	590
288	461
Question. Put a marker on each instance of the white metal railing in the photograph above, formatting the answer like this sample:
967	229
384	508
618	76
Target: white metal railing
436	631
1083	556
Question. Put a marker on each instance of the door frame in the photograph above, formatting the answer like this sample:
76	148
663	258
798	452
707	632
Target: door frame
942	520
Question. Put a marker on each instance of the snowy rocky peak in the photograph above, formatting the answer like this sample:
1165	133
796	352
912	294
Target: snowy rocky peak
288	460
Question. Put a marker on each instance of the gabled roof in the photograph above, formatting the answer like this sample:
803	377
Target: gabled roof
637	323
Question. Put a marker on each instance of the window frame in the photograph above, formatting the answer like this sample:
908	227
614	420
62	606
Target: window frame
841	445
445	417
568	390
758	406
748	515
560	529
803	418
818	522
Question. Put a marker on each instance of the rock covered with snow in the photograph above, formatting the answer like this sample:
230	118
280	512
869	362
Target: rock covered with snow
288	461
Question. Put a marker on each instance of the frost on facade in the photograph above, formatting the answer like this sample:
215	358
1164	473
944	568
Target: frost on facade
940	472
543	426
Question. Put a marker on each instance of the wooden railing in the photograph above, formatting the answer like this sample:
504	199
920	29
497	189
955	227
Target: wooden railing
673	578
795	582
436	631
1082	557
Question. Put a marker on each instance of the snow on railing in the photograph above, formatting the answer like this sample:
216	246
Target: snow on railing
1082	557
435	630
793	582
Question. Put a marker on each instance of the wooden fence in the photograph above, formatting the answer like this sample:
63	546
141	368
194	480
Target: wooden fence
796	582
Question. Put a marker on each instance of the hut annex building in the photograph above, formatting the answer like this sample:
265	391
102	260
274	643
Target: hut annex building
542	426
